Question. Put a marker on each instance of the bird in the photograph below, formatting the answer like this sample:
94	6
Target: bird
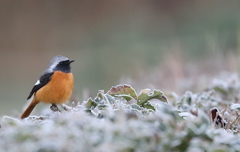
54	86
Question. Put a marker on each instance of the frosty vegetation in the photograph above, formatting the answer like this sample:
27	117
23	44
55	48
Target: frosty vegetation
122	120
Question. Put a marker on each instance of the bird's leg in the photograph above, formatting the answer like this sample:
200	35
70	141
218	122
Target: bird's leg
54	108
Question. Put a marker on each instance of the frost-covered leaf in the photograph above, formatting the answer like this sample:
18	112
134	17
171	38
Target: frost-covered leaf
37	118
135	106
235	106
221	90
10	121
125	91
148	105
110	99
101	106
90	104
100	94
188	98
125	96
147	95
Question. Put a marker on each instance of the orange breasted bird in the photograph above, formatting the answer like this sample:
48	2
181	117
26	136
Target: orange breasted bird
54	86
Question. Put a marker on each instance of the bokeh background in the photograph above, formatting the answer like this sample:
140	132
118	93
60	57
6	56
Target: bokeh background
169	45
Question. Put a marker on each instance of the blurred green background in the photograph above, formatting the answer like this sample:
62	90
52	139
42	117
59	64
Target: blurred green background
148	44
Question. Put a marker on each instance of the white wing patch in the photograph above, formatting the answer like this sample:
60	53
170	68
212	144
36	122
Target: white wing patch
37	83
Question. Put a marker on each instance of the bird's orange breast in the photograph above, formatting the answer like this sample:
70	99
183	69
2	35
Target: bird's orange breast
58	90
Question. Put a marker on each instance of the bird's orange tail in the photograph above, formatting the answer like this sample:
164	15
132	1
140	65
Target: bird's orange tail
29	109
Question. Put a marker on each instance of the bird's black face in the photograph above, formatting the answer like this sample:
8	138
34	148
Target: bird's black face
64	66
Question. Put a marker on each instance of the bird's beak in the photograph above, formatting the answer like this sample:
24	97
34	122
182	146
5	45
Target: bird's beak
70	61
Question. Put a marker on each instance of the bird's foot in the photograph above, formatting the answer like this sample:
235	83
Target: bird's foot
54	108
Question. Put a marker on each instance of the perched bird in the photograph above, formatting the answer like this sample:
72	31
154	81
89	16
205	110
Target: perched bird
54	86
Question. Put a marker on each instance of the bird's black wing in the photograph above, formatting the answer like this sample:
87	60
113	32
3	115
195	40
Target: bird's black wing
44	79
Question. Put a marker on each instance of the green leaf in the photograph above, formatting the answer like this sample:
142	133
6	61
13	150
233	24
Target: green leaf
125	91
221	90
146	95
126	97
100	94
91	104
148	105
101	106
